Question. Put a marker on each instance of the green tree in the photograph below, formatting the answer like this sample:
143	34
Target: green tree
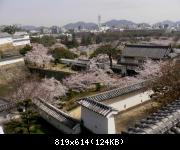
99	39
47	41
10	29
110	49
59	53
98	86
35	40
87	40
70	43
74	41
24	50
83	53
28	115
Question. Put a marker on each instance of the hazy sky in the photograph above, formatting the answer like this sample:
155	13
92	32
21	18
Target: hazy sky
60	12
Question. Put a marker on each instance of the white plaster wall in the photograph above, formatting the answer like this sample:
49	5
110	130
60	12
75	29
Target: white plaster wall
7	62
94	122
1	130
56	123
21	40
5	40
131	101
19	43
111	125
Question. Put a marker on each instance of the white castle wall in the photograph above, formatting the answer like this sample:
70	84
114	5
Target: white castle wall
131	101
5	40
24	40
97	123
19	41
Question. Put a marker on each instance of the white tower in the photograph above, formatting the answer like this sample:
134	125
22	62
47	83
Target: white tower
99	22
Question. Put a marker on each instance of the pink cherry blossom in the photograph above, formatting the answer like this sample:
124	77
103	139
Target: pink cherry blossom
38	56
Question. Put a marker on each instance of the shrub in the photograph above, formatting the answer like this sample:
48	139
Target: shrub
83	53
59	53
45	40
98	86
24	50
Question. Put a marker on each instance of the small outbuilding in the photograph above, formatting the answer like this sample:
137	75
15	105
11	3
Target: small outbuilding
97	117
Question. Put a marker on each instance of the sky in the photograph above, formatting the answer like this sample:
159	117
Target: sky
61	12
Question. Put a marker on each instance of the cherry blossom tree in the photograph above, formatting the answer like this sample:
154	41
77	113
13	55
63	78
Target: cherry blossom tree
100	63
52	88
150	69
38	56
30	88
97	72
167	87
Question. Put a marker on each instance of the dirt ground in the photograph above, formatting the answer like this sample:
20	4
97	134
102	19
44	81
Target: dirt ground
128	118
8	73
76	113
125	119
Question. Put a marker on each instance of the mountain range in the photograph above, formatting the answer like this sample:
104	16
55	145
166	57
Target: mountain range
119	23
116	23
111	23
81	25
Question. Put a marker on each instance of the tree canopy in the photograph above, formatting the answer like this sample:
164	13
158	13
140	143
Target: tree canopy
25	49
59	53
45	40
110	49
70	43
167	87
10	29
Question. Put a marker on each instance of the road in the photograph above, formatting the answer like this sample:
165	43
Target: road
12	61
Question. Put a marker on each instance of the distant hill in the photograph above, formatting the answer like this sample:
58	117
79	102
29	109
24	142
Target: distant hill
81	25
28	27
178	22
168	22
120	23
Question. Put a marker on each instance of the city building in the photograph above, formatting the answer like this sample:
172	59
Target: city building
45	30
55	30
104	28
